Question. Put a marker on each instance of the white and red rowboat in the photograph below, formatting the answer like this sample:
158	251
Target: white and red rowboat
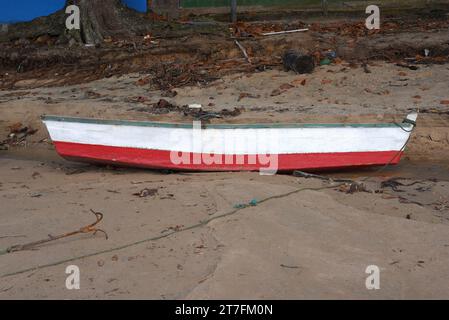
229	147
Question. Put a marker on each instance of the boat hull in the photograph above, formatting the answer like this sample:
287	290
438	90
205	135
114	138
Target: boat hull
270	147
160	159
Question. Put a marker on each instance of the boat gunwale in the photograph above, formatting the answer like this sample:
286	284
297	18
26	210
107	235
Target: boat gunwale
138	123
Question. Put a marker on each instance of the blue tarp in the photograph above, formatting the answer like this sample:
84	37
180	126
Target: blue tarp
26	10
139	5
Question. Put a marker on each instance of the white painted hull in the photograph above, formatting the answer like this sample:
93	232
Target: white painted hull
149	144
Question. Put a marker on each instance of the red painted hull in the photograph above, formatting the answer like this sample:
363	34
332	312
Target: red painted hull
160	159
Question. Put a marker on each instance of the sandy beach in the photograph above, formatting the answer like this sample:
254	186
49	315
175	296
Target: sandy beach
302	238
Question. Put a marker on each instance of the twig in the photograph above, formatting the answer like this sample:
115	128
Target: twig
243	50
283	32
87	229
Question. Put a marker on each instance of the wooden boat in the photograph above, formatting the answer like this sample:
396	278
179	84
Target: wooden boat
229	147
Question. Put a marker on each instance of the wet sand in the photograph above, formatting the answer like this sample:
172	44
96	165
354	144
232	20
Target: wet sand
309	244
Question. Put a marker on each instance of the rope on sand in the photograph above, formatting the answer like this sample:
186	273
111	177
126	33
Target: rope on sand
165	235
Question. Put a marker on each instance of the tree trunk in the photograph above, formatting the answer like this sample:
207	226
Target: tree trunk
99	19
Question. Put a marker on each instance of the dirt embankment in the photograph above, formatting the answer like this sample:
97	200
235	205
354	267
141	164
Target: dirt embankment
188	53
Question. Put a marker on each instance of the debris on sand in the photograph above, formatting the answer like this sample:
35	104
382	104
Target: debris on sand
163	106
195	106
353	187
18	134
252	203
143	81
282	88
91	228
394	184
248	95
365	68
194	111
325	62
300	81
138	99
231	113
170	93
289	266
298	62
146	193
407	66
169	76
90	94
391	183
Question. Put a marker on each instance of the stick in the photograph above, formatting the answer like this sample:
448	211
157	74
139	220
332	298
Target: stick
283	32
243	50
87	229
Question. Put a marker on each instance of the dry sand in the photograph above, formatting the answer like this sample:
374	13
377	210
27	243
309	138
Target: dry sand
310	244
